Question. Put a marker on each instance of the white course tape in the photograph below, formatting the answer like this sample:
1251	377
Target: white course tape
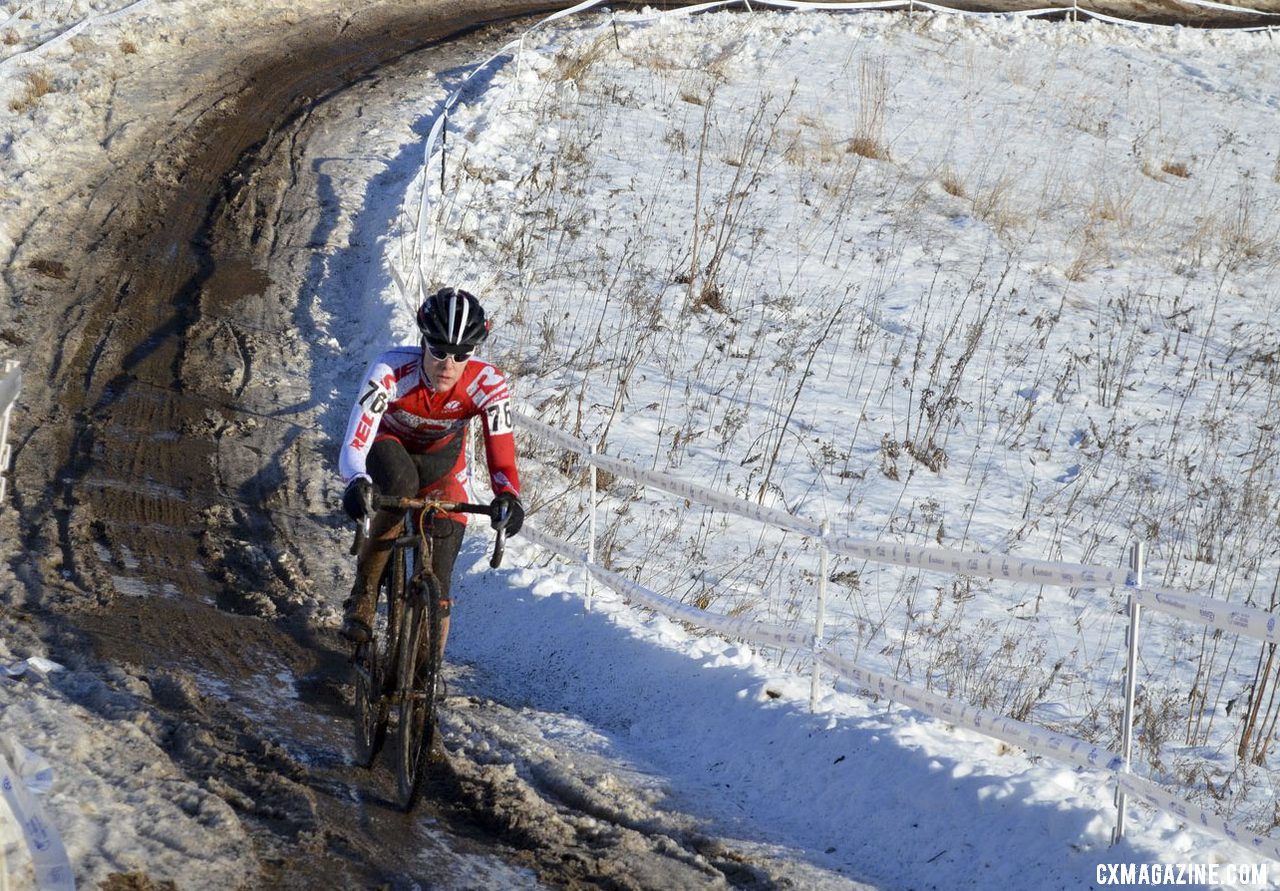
685	489
1026	736
734	628
565	13
839	7
554	545
705	495
10	388
405	283
759	633
872	5
555	435
1226	7
993	724
1053	745
1236	618
995	566
52	866
416	275
1163	800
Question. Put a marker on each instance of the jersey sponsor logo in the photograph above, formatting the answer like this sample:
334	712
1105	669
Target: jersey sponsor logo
363	429
405	423
452	405
488	386
485	399
406	419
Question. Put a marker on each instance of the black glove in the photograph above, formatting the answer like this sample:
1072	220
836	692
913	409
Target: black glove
507	513
357	501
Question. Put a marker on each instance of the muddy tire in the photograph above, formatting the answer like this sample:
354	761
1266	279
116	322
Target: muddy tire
419	670
371	713
374	665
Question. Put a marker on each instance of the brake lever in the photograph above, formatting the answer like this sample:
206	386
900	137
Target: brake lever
362	527
362	532
499	544
500	518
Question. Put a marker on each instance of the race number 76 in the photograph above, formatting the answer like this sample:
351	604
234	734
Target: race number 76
499	417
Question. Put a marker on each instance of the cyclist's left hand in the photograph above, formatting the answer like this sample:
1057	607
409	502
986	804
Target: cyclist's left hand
507	505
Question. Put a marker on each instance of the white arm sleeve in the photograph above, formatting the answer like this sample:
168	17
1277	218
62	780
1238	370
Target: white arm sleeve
375	394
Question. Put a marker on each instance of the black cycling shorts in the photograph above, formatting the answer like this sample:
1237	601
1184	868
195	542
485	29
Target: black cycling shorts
396	472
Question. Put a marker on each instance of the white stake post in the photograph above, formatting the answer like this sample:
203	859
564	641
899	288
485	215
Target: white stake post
591	521
819	622
10	387
1137	560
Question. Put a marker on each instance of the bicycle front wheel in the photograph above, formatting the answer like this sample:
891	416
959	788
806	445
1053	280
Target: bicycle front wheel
419	663
374	664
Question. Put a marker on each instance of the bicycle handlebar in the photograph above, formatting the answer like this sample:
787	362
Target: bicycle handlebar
393	502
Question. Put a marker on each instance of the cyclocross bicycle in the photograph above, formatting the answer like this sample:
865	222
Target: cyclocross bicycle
398	668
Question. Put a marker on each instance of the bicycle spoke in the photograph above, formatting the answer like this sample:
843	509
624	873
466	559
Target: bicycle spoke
373	664
412	707
421	666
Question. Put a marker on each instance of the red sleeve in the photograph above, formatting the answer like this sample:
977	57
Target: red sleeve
500	455
493	402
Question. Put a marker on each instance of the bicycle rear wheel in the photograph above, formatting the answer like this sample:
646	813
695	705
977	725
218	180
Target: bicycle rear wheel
419	663
375	661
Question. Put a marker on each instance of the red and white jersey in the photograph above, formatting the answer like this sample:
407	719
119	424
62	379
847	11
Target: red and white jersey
397	401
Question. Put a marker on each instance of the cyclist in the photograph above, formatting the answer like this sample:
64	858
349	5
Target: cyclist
407	437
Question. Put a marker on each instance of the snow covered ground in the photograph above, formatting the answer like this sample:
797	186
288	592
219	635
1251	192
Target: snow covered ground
985	282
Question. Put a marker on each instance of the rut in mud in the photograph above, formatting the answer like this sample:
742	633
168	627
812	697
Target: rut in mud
175	480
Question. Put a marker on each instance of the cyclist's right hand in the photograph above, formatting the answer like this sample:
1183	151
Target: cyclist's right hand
506	512
357	501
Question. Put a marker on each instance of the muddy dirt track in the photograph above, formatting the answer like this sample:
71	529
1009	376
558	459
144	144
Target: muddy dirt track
166	478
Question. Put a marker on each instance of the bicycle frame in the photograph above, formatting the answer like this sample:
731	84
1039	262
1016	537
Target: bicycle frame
402	670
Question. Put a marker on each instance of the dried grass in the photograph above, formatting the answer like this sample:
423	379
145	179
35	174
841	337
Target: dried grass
573	65
952	184
39	84
869	121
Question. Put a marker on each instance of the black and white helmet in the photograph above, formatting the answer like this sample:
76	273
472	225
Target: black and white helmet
453	319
